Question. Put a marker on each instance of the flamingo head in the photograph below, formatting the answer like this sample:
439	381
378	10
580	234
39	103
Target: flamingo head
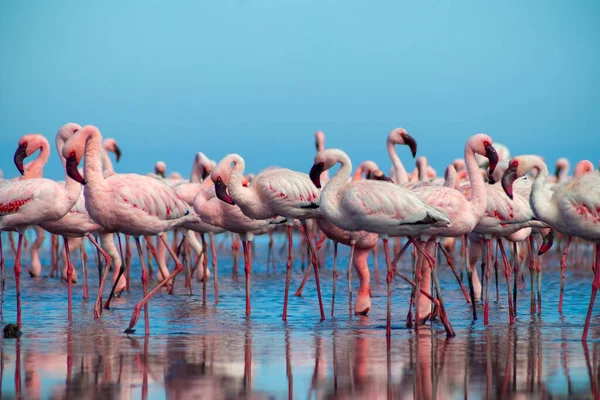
459	164
28	145
204	164
482	144
518	167
220	176
399	136
73	152
562	167
160	168
319	141
378	175
546	243
583	167
366	167
110	144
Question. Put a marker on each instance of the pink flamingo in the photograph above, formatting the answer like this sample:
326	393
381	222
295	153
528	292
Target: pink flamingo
399	136
33	202
464	212
127	203
275	192
373	206
230	217
573	209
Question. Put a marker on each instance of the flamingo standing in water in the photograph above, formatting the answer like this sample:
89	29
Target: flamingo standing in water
230	217
275	192
33	202
373	206
128	203
464	212
573	209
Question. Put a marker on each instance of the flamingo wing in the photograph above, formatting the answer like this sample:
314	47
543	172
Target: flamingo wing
18	193
580	199
277	184
149	195
387	204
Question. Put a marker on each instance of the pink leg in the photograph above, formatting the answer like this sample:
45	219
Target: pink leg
127	259
144	283
315	262
349	275
213	253
595	285
69	277
138	307
18	279
247	271
532	307
84	259
507	269
563	269
335	276
451	264
288	272
98	305
363	299
121	272
386	251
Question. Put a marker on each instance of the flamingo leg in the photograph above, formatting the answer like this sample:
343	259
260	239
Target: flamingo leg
138	307
127	260
84	257
496	273
204	261
386	251
376	264
595	286
531	273
18	279
188	270
349	274
144	283
450	261
54	254
214	265
269	251
469	275
108	258
3	281
304	279
69	277
121	271
335	276
487	256
563	269
315	262
411	302
235	251
288	270
247	247
507	275
155	255
516	275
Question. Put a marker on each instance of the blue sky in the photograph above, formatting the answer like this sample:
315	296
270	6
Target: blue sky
259	77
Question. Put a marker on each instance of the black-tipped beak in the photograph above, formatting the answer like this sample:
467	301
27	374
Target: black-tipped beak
117	153
315	174
491	179
378	175
492	156
72	170
20	155
547	243
510	175
221	191
557	172
410	142
317	145
205	173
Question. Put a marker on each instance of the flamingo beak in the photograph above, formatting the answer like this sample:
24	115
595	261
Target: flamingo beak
20	155
72	170
315	174
557	172
221	191
117	153
378	175
547	243
410	142
492	156
317	145
205	173
160	173
491	179
510	175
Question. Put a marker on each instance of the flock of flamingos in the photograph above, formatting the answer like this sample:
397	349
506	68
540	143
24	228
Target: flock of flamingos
484	197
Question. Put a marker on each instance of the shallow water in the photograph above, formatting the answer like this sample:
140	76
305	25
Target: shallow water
198	350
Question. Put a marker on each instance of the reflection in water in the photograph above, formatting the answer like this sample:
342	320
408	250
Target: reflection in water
202	350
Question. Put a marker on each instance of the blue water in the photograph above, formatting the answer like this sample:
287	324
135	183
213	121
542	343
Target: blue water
212	351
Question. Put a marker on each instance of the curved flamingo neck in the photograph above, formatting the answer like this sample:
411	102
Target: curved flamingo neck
478	193
320	148
330	193
92	166
107	162
400	174
543	207
36	168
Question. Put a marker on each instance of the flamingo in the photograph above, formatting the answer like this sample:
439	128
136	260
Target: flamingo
229	216
573	209
33	202
399	136
127	203
373	206
275	192
464	212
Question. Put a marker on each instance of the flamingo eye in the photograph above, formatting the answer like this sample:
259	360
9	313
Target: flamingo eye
486	143
72	154
515	163
321	164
